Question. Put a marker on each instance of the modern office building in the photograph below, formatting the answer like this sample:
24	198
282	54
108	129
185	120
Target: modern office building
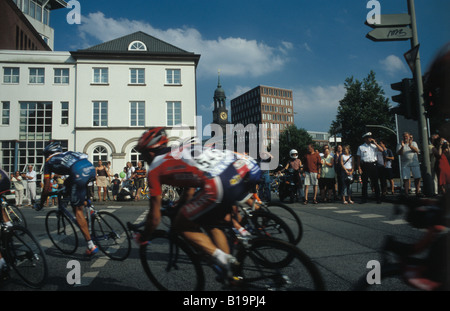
97	100
263	106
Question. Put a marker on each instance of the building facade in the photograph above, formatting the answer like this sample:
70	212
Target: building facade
268	108
98	100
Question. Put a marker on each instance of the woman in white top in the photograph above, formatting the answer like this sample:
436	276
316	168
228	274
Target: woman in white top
348	167
19	188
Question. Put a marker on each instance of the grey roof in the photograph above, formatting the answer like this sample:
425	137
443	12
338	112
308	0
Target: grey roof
120	45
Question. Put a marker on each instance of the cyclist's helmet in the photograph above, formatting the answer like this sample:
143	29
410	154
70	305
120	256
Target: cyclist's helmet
152	140
52	148
294	154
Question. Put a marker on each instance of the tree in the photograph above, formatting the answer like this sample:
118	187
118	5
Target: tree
293	138
363	104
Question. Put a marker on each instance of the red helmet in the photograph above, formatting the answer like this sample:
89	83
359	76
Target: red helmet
151	141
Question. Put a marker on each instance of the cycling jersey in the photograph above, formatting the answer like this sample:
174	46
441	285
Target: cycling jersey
79	169
5	183
222	176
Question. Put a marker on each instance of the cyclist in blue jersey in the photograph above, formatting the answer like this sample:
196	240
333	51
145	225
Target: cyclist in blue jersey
80	172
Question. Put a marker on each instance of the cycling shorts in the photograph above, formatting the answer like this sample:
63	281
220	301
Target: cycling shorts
218	195
82	172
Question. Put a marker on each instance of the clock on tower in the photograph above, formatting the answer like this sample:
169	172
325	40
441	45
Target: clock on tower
220	113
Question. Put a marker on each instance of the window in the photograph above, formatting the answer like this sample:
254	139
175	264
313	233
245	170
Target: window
37	75
61	76
35	121
100	75
99	154
11	75
137	76
137	113
5	113
64	113
137	46
135	157
100	113
173	76
173	113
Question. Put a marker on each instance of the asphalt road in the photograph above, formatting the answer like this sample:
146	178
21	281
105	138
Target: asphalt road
340	239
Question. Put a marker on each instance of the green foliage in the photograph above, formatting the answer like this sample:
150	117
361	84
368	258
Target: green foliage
293	138
363	104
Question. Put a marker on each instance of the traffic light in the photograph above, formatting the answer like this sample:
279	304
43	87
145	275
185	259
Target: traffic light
407	102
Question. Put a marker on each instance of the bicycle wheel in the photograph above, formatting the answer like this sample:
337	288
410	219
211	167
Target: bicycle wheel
170	264
270	264
111	236
265	224
26	257
15	215
61	232
288	215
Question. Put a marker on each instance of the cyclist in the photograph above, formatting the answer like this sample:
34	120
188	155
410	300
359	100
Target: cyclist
80	172
220	177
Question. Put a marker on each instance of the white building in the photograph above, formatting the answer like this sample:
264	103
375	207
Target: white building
98	101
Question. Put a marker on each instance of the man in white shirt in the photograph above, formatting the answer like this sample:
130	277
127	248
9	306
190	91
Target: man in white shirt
409	155
366	162
31	185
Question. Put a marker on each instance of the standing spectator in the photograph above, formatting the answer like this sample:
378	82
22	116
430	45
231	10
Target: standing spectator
296	164
31	179
434	155
311	171
115	185
53	195
19	188
337	168
443	166
388	156
408	152
108	179
327	175
366	161
139	180
101	178
381	172
347	167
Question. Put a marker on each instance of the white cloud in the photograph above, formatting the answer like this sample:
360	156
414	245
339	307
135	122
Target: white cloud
393	65
233	56
316	106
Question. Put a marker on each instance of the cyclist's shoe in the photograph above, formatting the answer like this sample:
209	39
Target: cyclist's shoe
92	251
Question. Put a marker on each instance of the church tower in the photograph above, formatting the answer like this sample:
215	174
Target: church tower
220	112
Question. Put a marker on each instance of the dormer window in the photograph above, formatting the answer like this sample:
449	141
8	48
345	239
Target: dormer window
137	46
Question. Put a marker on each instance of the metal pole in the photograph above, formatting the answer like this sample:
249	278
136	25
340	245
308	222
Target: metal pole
423	131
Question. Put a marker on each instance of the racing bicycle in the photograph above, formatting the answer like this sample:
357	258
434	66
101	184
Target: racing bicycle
107	231
264	263
11	212
24	255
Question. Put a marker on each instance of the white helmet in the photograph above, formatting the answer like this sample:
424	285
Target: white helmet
292	152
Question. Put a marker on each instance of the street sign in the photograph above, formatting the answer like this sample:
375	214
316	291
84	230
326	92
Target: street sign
392	20
390	34
411	57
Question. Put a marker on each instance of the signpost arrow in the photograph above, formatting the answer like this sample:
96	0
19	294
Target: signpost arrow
388	20
390	34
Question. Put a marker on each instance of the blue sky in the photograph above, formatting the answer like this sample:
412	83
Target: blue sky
310	47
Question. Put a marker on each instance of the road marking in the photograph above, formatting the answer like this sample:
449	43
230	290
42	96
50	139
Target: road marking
327	207
396	222
347	211
87	278
369	216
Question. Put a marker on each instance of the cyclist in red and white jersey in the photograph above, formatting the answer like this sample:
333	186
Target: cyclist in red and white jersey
218	179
